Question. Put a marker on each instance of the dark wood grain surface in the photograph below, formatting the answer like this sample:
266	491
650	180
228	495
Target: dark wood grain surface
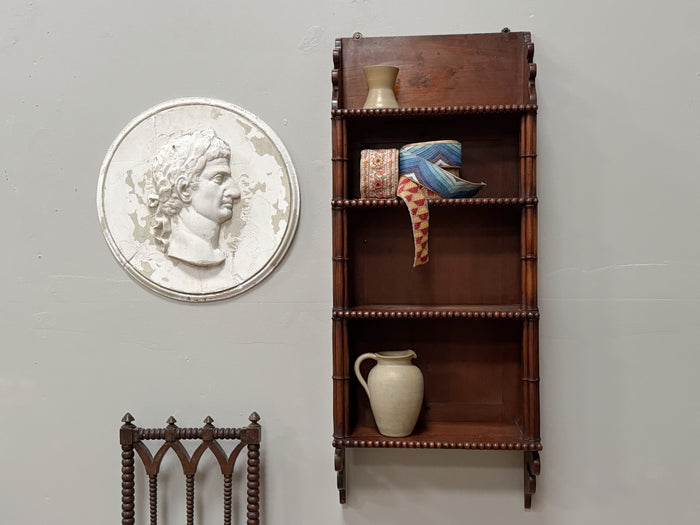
447	70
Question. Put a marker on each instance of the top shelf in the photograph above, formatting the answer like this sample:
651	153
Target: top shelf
434	111
458	72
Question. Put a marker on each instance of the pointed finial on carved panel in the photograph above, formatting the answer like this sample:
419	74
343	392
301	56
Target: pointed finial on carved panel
254	418
171	421
127	432
208	421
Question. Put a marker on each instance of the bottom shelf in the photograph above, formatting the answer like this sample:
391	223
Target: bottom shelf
464	435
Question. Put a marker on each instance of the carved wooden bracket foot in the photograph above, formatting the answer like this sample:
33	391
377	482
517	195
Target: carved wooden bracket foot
531	469
340	469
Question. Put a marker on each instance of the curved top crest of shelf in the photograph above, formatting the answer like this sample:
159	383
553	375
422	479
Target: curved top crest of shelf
439	71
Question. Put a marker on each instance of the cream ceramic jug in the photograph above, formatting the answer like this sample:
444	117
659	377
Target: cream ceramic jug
395	390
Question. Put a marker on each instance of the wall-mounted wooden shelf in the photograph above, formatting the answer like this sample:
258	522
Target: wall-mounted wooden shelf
471	313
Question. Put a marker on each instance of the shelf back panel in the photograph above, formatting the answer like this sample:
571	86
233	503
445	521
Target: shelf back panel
489	146
471	368
474	257
445	70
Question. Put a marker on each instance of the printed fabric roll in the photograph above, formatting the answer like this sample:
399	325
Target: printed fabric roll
427	164
379	173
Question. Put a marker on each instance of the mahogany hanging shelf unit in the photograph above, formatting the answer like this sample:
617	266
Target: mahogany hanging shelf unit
470	313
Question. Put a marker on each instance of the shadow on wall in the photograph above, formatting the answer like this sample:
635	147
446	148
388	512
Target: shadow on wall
388	479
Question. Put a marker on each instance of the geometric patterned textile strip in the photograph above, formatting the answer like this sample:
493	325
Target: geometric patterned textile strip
440	152
416	198
437	179
424	163
379	173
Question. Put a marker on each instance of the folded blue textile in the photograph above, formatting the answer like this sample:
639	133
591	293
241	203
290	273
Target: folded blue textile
439	152
422	162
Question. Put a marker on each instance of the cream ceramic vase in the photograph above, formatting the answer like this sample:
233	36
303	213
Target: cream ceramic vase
380	80
395	390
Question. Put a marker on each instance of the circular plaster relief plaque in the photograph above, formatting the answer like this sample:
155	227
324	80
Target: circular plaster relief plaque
198	199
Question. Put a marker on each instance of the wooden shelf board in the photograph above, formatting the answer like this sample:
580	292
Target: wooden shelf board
452	435
394	202
483	311
433	111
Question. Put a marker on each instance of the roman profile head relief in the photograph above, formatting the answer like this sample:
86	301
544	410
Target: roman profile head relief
198	199
192	195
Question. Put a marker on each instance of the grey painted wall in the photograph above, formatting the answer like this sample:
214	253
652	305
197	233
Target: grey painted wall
619	135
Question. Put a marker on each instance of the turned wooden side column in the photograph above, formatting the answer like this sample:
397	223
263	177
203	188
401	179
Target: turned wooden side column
228	493
341	300
341	366
253	484
153	498
253	470
530	335
530	357
126	439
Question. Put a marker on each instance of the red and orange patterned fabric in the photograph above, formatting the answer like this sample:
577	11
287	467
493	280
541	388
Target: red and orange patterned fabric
416	196
379	173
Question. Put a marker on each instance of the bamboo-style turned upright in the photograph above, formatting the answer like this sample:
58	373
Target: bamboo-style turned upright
127	444
531	378
253	484
341	369
153	498
132	439
478	294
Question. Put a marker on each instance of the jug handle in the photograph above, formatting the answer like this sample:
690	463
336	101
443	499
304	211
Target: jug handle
357	370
